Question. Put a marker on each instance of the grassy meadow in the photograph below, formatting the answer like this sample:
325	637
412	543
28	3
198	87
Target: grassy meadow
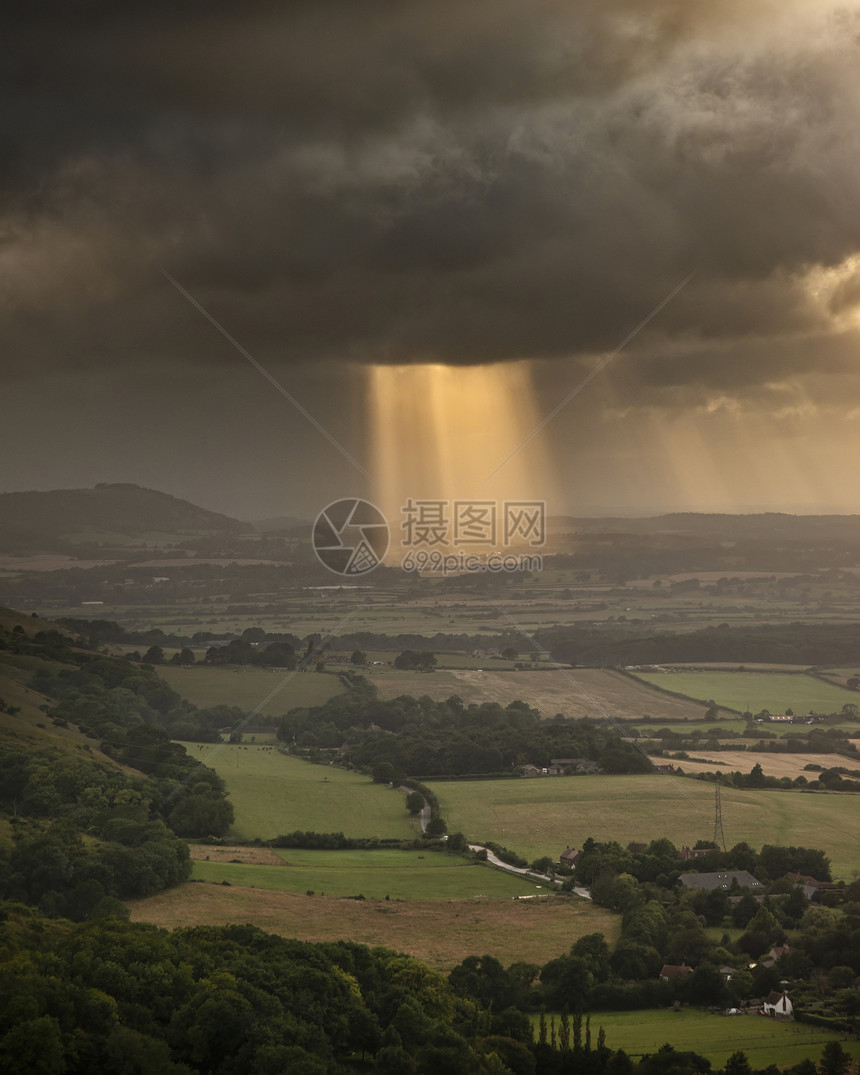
543	816
273	793
402	875
246	687
439	932
754	691
764	1041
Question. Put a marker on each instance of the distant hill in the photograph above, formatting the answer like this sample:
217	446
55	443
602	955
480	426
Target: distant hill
62	519
29	623
280	523
764	525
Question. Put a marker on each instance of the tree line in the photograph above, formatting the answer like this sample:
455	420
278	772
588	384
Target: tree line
418	737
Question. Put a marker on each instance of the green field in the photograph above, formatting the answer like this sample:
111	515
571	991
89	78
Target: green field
754	691
273	793
543	816
764	1041
402	875
248	687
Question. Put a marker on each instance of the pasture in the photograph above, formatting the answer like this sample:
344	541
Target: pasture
247	687
439	932
754	691
273	793
402	875
575	692
542	816
764	1041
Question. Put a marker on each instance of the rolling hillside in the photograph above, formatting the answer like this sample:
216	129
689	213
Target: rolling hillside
59	520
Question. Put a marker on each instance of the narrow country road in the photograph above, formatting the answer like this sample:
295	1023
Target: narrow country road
523	871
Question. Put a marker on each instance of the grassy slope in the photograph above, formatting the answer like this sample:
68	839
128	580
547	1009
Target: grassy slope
440	932
274	794
31	728
755	691
248	687
10	619
543	816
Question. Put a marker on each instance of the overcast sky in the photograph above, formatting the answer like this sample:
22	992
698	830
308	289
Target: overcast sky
346	183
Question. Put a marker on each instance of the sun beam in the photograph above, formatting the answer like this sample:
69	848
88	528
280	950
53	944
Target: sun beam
439	431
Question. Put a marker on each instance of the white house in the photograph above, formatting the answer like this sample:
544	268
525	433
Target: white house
777	1004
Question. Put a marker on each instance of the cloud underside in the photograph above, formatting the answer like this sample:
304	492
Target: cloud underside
465	182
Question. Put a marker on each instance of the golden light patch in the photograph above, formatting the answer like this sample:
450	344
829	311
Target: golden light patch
439	432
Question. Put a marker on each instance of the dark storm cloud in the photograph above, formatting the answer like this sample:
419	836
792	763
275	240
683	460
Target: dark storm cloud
460	182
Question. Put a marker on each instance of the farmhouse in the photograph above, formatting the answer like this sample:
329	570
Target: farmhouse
569	857
688	853
811	887
578	765
669	971
561	767
712	881
777	1004
774	954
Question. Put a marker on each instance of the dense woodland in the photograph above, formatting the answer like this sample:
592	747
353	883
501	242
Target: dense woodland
88	833
419	737
606	644
114	997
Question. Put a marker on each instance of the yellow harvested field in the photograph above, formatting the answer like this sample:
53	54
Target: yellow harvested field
439	932
577	692
772	764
